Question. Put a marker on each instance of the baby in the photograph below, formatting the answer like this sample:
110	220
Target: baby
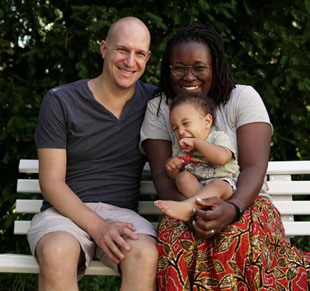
203	163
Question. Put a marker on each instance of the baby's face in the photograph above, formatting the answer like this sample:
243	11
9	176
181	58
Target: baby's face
187	121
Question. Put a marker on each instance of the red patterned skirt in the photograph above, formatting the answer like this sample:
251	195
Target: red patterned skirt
250	254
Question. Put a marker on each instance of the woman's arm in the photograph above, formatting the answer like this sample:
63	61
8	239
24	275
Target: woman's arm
158	152
253	141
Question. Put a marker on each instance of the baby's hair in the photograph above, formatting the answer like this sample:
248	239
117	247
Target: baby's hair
201	102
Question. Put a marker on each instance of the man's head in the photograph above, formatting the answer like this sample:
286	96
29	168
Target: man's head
125	52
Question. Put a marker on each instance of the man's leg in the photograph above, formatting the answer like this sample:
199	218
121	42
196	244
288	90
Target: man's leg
58	254
139	269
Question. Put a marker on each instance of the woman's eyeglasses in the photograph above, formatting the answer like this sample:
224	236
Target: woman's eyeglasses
198	70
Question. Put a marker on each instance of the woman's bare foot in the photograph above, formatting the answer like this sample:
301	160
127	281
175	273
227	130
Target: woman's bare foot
182	210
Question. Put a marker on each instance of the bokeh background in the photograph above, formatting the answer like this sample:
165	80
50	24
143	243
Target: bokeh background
45	43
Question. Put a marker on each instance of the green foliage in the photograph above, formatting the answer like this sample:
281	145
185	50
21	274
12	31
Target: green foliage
45	43
29	282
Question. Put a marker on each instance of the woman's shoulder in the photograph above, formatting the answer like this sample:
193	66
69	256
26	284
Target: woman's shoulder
155	100
158	99
243	94
159	104
243	90
246	102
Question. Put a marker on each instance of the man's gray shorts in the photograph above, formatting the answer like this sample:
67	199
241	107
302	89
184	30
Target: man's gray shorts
50	220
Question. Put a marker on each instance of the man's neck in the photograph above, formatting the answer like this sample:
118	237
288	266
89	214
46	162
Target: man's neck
112	98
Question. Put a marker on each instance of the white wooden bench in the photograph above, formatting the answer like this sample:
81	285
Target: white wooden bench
282	189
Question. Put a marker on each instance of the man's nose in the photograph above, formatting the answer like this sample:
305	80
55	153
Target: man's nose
130	59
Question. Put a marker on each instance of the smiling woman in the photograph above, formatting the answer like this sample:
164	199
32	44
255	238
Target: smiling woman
192	55
229	244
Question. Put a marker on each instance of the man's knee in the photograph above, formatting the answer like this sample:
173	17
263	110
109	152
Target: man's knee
57	249
144	250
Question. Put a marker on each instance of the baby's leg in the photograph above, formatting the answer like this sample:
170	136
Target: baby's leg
187	184
183	210
216	187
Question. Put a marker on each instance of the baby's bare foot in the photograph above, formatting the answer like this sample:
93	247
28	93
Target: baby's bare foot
182	210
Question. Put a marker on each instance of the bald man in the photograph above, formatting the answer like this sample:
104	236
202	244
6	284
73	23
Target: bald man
90	170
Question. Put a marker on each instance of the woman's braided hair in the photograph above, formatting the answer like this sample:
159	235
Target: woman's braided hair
223	82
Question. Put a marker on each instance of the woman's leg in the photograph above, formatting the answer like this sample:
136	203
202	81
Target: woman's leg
176	252
250	254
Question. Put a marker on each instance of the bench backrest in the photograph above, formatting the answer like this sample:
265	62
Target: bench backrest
284	191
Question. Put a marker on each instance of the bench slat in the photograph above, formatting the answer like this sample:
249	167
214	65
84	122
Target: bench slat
32	186
289	187
21	226
291	228
274	167
288	167
28	186
28	166
293	207
148	207
12	263
297	228
28	206
33	206
147	187
32	167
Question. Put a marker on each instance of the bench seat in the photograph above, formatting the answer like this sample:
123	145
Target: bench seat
291	197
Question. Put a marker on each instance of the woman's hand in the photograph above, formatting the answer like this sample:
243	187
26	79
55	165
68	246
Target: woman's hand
213	218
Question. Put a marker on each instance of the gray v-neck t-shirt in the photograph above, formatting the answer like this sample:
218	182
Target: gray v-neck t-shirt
104	163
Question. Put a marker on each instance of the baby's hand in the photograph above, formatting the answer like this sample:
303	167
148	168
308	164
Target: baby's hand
173	167
187	144
174	164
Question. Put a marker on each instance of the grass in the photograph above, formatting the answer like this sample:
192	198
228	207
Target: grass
29	282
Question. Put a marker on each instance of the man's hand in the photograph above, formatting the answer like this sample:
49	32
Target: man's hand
187	144
111	238
173	167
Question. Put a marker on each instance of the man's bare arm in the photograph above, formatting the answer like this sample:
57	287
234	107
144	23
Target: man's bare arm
52	169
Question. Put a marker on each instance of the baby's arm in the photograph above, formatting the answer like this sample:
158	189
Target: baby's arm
173	167
215	154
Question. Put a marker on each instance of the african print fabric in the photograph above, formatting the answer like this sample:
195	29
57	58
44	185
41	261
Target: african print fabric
250	254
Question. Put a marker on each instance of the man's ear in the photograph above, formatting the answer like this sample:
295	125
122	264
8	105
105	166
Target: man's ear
148	56
208	120
103	48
